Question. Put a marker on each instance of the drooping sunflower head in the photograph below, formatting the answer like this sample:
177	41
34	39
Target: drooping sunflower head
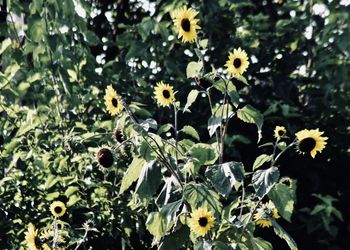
237	62
58	208
186	24
32	238
265	213
105	157
280	132
310	141
164	94
113	101
201	221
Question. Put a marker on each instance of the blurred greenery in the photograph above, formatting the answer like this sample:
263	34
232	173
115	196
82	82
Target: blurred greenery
57	57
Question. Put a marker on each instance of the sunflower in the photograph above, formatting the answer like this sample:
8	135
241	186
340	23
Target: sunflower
237	62
280	132
311	141
186	24
201	221
32	239
105	157
113	101
58	208
264	214
164	94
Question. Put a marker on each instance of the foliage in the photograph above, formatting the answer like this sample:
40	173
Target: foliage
58	57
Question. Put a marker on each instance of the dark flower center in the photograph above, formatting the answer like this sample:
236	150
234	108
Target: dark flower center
186	25
280	132
203	221
58	210
105	157
237	63
307	145
166	94
115	102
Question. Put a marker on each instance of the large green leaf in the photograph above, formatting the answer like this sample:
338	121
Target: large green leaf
149	180
205	153
264	180
189	130
284	235
260	160
132	174
175	240
224	176
193	69
251	115
156	225
169	211
283	197
200	195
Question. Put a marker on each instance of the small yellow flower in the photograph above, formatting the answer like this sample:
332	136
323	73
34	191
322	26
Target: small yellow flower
280	132
237	62
58	208
186	24
201	221
311	141
113	101
264	214
32	239
164	94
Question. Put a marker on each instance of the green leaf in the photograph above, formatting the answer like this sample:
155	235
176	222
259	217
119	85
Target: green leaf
202	245
169	211
191	98
36	29
4	45
190	131
260	160
251	115
205	153
132	174
203	43
262	244
242	79
73	199
224	176
71	190
264	180
283	197
164	128
284	235
175	240
193	69
200	195
156	225
149	180
213	124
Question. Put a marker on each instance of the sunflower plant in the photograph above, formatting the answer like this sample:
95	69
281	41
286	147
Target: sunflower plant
197	198
139	162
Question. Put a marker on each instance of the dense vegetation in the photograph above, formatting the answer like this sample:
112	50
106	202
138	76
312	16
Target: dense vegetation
57	59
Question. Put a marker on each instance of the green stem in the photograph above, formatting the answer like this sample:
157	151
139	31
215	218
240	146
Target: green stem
176	134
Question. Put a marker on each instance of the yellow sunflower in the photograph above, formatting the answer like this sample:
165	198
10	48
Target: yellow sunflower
113	101
264	214
32	239
186	24
58	208
164	94
280	132
237	62
201	221
311	141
